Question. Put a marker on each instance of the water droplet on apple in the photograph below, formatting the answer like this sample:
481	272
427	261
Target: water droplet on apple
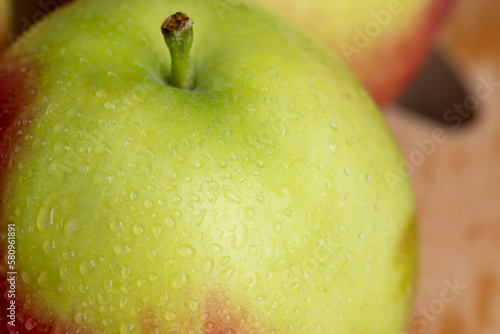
126	288
277	227
81	318
368	177
126	272
45	218
30	324
226	274
49	246
64	272
61	146
269	246
148	203
108	284
109	105
84	168
163	298
177	282
249	212
252	249
169	222
186	251
104	298
38	144
173	174
193	304
68	254
239	238
138	230
151	254
127	329
232	196
347	171
170	316
201	217
224	260
72	160
196	164
86	267
116	226
43	278
207	266
72	227
260	198
105	309
209	327
84	147
101	94
133	195
216	248
60	128
106	322
333	125
122	250
87	303
83	288
157	231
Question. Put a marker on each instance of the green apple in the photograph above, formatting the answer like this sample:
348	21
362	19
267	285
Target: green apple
5	20
384	42
239	187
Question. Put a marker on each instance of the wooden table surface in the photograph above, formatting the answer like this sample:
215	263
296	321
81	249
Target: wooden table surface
458	187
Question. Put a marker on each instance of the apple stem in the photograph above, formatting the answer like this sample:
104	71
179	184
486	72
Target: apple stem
178	34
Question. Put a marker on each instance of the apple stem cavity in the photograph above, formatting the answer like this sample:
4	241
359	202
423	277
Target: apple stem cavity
178	34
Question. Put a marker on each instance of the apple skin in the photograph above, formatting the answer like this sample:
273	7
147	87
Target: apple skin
257	202
387	63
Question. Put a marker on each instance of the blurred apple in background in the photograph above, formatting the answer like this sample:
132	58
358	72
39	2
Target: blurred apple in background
28	12
458	185
5	19
383	41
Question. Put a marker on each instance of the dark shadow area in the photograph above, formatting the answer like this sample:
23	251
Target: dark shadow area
437	92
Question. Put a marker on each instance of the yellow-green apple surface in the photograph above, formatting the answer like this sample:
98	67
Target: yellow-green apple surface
5	20
238	188
384	42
